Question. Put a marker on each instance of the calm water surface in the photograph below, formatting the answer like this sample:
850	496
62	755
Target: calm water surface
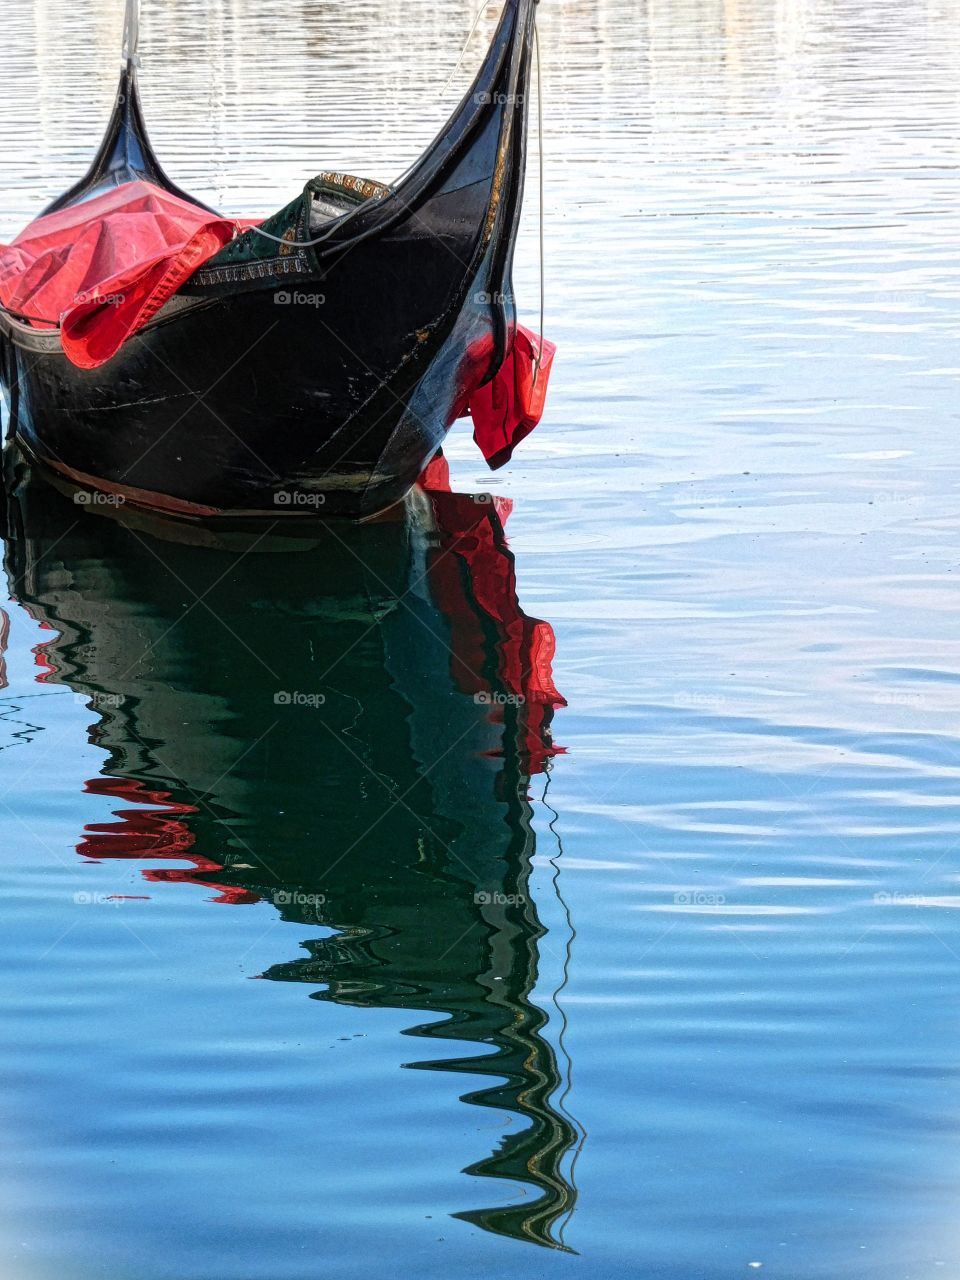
664	982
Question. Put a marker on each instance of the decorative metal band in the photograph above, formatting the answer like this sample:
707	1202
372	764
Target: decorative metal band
364	187
262	269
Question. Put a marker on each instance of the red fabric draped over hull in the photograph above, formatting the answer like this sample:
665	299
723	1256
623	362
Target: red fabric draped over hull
102	269
509	406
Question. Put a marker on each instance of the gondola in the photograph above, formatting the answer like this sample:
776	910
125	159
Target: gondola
315	361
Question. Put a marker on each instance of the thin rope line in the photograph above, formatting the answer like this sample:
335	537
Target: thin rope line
561	1101
536	45
476	23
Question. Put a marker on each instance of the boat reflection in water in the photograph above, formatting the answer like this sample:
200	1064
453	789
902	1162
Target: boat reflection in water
343	722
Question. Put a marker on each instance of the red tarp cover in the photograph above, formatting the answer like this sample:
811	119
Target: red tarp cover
512	403
103	268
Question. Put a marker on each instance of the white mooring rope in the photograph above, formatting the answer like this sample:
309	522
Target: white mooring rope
536	46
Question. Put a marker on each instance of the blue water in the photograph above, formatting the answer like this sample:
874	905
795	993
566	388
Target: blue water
716	1033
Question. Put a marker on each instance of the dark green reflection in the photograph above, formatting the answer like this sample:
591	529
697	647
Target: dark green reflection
344	723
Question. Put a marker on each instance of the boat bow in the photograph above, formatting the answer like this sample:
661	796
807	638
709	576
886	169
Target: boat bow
125	154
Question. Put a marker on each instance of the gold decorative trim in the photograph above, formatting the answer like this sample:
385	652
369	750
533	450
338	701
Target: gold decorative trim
364	187
496	193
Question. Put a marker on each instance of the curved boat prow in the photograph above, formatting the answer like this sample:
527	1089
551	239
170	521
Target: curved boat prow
481	148
125	154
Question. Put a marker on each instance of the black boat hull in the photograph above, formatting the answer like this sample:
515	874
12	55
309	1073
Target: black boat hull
250	405
321	380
